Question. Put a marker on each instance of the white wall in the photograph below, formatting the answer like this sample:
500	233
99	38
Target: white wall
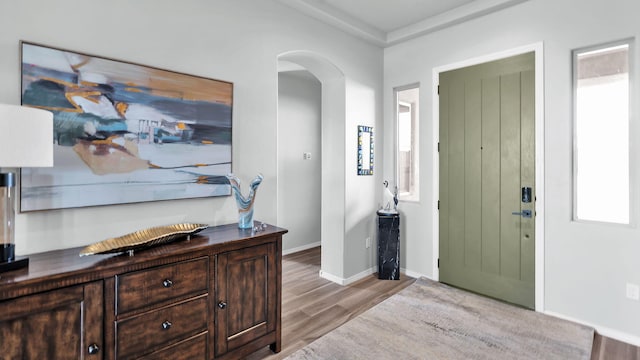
586	265
348	200
299	179
237	41
363	191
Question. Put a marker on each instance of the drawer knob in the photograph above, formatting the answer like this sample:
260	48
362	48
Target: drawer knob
222	304
93	349
167	283
166	325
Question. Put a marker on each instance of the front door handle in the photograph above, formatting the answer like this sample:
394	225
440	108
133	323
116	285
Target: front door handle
523	213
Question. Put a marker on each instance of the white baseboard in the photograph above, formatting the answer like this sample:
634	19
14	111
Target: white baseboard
336	279
342	281
300	248
363	274
602	330
413	274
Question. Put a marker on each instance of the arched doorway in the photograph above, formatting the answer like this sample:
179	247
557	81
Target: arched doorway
332	227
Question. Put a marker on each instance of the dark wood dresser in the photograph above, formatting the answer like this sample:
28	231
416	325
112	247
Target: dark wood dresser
215	296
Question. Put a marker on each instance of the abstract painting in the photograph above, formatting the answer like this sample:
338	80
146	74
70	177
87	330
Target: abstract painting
123	132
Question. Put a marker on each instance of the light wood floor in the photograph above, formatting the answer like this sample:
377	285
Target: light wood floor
312	306
610	349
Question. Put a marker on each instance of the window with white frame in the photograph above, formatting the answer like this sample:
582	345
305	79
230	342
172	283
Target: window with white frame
601	133
407	150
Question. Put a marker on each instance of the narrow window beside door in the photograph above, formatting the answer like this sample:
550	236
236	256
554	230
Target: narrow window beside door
601	137
407	143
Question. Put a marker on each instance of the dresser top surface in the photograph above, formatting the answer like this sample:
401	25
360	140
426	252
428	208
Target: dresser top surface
67	263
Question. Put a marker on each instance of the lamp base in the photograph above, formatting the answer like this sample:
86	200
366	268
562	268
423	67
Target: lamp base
19	263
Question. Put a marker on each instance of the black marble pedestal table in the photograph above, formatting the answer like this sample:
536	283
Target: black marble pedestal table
388	246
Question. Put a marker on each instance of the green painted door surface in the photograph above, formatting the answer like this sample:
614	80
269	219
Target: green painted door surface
486	159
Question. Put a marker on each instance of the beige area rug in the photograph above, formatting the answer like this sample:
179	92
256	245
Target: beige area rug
429	320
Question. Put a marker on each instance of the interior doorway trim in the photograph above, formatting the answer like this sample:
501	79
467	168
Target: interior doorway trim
333	183
538	49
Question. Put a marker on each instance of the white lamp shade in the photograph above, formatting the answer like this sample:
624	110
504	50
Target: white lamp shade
26	137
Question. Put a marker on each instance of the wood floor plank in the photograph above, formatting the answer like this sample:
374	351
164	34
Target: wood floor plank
595	350
313	306
605	348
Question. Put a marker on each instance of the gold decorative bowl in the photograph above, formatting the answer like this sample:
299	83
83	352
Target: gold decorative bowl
143	239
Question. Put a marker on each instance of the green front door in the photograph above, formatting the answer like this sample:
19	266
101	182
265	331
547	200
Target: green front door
487	173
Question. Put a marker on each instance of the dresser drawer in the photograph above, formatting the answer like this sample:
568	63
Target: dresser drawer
155	329
194	348
151	286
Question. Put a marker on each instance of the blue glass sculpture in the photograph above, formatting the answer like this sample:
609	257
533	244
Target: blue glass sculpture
245	204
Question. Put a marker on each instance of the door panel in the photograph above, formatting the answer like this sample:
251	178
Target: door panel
486	157
490	179
473	170
58	324
246	307
510	174
528	175
456	175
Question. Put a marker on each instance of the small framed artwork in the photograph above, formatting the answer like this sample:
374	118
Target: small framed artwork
365	150
124	132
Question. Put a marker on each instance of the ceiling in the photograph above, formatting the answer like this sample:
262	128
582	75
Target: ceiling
388	22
